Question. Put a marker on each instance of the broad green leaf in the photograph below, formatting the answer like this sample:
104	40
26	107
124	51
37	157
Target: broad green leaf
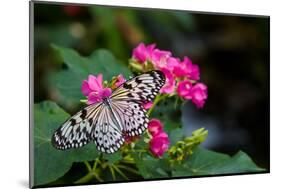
112	158
150	167
205	162
47	116
68	81
51	163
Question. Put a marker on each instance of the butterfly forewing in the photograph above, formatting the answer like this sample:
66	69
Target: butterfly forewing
142	88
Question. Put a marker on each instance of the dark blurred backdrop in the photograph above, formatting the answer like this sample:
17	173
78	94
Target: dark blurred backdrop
231	50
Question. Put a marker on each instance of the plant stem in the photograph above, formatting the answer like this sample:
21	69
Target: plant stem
128	169
156	101
88	177
120	172
112	172
88	166
95	164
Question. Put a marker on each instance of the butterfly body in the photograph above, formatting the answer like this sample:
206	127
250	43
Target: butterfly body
107	122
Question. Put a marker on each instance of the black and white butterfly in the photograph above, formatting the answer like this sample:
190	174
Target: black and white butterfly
107	122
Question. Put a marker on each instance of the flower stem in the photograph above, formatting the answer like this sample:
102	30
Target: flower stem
128	169
120	172
112	172
88	177
88	166
156	101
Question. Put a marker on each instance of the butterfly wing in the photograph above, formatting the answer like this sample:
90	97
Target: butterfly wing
94	122
108	136
141	89
132	116
128	99
77	130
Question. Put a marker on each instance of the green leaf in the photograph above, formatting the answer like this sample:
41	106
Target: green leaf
68	81
150	167
112	158
169	115
51	163
205	162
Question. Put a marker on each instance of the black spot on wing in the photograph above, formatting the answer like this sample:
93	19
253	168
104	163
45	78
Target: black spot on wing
127	86
72	122
83	114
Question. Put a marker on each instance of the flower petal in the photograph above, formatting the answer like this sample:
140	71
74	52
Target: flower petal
184	89
105	93
199	94
93	98
155	126
85	88
147	105
120	80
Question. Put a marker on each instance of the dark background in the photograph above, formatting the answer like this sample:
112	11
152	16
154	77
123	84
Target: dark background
231	50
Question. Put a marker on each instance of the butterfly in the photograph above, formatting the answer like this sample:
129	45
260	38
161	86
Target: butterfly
108	122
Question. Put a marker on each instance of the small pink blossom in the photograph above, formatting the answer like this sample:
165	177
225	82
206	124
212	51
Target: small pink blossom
143	53
93	89
199	94
184	89
159	144
155	126
187	69
172	62
147	105
120	80
159	58
169	86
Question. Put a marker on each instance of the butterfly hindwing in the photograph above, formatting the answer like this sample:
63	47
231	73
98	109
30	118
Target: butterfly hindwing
132	115
107	135
77	130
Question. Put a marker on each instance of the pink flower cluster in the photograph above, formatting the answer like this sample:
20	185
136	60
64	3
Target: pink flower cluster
159	143
181	76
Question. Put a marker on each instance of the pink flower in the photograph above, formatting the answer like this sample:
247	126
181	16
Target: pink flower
142	53
184	89
147	105
199	94
186	68
172	62
120	80
93	89
169	86
159	144
159	58
155	126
